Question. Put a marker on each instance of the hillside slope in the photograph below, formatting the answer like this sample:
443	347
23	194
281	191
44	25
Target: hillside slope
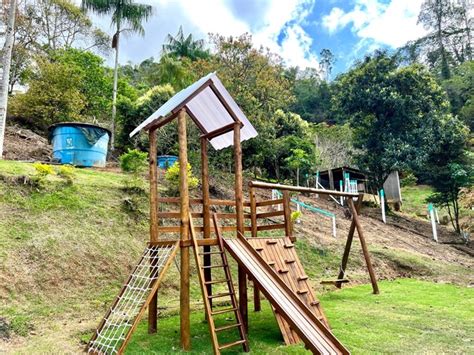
66	249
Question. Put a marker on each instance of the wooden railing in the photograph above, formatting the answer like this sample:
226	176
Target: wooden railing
269	186
175	214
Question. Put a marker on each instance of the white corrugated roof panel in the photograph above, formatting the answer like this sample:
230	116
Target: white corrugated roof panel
208	110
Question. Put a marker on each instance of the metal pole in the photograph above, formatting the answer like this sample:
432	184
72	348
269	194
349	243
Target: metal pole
433	222
382	205
334	226
436	214
341	188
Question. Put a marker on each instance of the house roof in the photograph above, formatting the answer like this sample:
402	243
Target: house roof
210	106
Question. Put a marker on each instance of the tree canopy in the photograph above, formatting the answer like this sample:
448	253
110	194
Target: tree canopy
393	113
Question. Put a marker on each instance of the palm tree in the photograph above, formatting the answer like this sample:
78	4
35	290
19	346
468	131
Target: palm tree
180	46
127	16
6	63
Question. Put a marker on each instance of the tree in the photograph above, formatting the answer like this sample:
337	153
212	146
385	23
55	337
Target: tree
44	26
460	90
181	46
393	113
326	62
6	62
258	82
449	167
448	42
95	81
298	159
174	71
69	85
127	16
53	96
312	97
132	112
334	144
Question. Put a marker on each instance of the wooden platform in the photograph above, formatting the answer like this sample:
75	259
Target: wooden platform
280	255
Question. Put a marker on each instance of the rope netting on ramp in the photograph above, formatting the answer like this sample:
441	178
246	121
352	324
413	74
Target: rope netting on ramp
115	329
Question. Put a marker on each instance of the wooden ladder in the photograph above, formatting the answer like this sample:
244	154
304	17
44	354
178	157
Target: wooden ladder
207	297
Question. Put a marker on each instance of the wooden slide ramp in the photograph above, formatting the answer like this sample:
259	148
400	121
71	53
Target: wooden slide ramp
280	255
116	328
316	336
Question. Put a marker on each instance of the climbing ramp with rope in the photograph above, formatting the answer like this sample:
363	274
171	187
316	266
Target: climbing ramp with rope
312	331
114	331
281	256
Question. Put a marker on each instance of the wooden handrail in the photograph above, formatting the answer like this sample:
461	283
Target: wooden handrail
266	185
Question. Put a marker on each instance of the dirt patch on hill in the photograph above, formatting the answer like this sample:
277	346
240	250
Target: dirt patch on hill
23	144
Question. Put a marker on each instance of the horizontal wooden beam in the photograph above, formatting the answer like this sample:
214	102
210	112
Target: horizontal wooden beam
269	202
162	243
220	131
177	214
266	185
270	214
200	242
198	201
161	122
176	200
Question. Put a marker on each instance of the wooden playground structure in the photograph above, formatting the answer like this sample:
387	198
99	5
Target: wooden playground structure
271	263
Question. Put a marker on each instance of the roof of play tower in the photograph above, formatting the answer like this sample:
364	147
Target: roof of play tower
210	106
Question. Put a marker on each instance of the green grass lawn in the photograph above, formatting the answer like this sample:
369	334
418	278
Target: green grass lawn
65	250
414	199
409	316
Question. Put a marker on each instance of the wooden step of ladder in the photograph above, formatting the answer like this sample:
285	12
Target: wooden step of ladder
207	297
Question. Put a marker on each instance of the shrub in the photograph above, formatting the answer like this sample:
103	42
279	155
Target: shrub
134	161
295	216
172	179
68	173
409	179
43	170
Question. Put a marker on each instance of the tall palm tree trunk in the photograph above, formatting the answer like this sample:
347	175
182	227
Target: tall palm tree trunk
114	95
6	63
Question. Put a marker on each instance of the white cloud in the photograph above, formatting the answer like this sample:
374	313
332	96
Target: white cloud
287	18
297	46
391	24
274	19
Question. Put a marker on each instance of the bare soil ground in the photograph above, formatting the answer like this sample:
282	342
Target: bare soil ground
395	246
23	144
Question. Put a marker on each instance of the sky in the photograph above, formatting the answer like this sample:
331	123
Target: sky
297	30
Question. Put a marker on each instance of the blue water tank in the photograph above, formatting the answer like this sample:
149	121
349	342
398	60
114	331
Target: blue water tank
79	144
165	161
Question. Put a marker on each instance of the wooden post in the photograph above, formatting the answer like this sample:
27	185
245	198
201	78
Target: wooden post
347	249
239	209
253	218
365	250
287	215
206	212
205	189
153	172
331	179
184	231
253	212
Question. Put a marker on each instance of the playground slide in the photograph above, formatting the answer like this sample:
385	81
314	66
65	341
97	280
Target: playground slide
311	330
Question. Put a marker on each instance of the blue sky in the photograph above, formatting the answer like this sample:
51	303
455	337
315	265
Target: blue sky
297	30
